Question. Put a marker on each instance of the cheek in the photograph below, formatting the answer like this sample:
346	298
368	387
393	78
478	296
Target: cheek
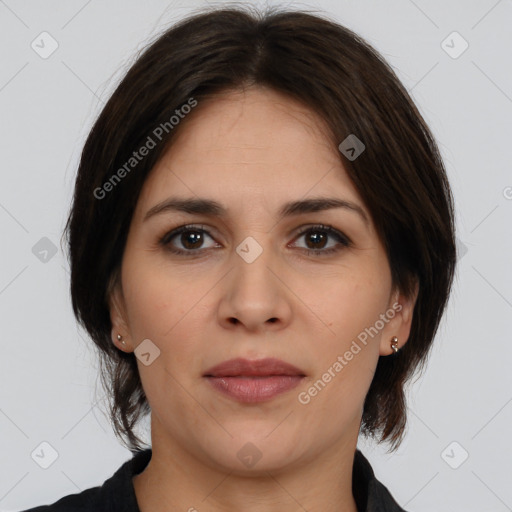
345	364
160	307
350	302
168	307
156	298
346	355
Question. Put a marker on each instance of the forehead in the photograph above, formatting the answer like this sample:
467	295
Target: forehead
257	143
251	116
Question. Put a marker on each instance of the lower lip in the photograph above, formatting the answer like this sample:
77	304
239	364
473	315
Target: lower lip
255	389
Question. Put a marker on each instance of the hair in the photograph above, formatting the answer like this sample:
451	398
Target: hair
400	176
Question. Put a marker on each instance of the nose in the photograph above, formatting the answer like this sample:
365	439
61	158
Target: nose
255	295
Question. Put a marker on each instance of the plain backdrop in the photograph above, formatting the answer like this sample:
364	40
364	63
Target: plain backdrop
457	454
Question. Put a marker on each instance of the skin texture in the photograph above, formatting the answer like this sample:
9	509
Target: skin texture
253	151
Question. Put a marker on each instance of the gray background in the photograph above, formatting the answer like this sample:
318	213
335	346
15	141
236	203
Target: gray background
49	391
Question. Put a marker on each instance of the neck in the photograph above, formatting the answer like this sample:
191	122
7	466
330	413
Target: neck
175	479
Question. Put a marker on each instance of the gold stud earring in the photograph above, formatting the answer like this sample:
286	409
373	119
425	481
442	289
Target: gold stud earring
394	344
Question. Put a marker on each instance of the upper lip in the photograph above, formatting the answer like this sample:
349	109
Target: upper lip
257	367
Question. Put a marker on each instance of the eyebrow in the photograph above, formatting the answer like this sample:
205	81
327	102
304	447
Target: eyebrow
212	208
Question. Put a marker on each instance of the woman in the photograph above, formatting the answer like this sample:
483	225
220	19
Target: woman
261	247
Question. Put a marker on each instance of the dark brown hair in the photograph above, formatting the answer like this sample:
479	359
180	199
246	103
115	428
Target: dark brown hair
400	175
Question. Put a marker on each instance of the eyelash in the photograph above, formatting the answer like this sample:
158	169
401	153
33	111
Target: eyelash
329	230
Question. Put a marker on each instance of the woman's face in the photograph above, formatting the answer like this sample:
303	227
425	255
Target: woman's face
241	283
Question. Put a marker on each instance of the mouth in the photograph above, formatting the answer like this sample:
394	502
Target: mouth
254	381
240	367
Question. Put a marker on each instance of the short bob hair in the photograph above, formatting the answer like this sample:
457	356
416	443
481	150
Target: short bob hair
400	175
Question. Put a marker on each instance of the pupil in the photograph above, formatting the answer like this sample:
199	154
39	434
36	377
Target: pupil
190	237
317	238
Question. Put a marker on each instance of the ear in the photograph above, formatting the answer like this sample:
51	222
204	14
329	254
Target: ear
118	317
400	324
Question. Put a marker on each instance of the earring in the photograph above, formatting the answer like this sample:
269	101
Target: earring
394	344
120	338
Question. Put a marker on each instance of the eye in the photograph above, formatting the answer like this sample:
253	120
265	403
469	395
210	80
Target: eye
317	239
191	238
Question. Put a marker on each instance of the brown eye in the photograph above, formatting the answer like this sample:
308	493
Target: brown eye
191	239
186	239
317	238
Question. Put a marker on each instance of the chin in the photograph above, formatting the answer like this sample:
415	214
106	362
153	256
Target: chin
248	454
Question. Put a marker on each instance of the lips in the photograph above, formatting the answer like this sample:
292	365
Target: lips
255	381
240	367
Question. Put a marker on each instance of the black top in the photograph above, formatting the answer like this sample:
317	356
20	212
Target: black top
118	495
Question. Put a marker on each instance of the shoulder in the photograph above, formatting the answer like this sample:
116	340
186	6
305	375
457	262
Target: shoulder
115	495
83	502
370	494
